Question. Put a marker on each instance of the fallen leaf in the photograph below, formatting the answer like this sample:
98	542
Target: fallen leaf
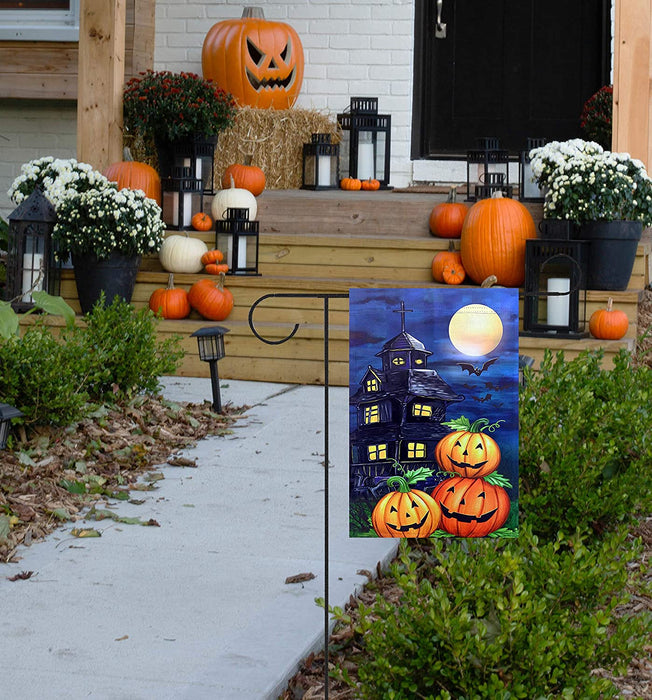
22	576
298	578
85	532
121	639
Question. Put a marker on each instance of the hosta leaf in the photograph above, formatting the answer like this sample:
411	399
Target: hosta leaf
54	305
9	323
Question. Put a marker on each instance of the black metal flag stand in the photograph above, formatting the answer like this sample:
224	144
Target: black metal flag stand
326	298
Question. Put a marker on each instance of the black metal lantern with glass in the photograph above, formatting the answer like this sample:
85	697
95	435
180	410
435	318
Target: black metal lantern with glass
366	139
210	344
237	237
189	157
491	165
31	264
529	190
555	288
320	163
7	414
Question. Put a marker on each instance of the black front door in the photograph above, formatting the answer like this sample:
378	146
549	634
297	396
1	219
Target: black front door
510	69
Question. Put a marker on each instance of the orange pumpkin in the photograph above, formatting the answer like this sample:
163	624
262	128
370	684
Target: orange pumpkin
453	274
493	240
609	323
260	62
370	184
169	301
246	177
468	450
216	268
133	175
201	221
447	218
406	512
211	299
350	183
212	256
449	257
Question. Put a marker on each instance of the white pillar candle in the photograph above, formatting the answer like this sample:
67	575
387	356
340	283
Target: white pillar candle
366	168
323	170
558	306
187	208
32	265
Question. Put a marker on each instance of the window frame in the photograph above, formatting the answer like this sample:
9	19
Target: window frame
40	25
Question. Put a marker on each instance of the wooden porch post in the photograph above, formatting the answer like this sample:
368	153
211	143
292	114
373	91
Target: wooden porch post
632	126
100	82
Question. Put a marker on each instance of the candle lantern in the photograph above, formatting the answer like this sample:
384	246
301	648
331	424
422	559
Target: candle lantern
320	163
189	158
31	263
491	164
7	414
237	237
182	198
529	190
555	288
210	343
365	150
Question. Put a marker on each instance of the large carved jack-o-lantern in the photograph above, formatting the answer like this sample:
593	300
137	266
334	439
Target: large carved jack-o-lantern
406	512
471	507
468	451
260	62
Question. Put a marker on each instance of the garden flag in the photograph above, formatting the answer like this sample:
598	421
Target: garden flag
433	412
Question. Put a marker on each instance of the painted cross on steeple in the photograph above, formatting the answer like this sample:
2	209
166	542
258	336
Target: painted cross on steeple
402	311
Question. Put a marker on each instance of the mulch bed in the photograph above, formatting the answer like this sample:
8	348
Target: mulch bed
56	474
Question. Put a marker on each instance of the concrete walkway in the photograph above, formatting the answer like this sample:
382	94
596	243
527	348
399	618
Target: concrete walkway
197	608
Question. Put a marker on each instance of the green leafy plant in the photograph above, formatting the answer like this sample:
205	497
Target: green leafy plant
596	118
499	619
175	105
584	443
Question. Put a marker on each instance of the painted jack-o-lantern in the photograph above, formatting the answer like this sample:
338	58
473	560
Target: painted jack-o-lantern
405	512
260	62
468	451
471	507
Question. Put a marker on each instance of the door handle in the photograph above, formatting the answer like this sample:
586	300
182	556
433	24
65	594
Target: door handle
440	27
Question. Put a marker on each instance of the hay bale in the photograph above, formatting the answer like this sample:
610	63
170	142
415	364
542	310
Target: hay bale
274	140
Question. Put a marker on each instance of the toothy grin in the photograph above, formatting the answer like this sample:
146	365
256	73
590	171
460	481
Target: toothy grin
270	83
467	518
406	528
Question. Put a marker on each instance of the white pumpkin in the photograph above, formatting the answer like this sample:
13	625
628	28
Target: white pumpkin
182	253
233	198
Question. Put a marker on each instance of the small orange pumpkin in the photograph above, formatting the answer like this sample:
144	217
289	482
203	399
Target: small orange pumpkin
609	323
169	301
216	268
447	218
468	450
211	299
246	177
201	221
443	258
134	175
350	183
371	184
453	274
212	256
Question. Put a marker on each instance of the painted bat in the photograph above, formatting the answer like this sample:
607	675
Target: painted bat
471	369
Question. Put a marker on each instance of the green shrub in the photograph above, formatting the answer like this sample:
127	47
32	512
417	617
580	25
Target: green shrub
122	351
40	376
500	619
584	444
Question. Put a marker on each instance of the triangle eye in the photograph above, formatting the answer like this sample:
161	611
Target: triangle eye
462	502
254	52
285	54
415	504
450	490
482	495
479	446
393	510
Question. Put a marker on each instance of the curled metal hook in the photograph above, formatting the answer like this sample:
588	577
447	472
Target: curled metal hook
296	325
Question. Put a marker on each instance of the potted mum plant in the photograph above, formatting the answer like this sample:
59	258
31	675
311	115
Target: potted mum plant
607	195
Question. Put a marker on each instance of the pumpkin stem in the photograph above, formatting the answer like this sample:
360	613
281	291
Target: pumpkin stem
232	182
403	486
220	282
255	12
247	159
497	195
451	246
126	154
610	303
170	281
452	194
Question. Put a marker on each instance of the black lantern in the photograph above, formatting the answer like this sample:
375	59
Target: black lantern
237	237
7	413
31	265
529	190
189	158
320	163
182	198
365	151
555	288
210	342
492	170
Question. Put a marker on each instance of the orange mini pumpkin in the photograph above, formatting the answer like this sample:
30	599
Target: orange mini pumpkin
371	184
609	323
211	299
443	258
201	221
447	218
260	62
212	256
453	273
350	183
169	301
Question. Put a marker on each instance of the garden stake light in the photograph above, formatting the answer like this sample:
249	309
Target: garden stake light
7	413
210	342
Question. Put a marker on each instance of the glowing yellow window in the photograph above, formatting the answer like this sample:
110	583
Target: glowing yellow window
416	450
398	361
377	452
421	409
372	414
418	361
372	384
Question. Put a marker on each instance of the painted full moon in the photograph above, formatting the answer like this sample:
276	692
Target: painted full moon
475	330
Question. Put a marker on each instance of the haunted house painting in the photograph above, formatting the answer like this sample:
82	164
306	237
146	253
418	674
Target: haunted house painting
410	382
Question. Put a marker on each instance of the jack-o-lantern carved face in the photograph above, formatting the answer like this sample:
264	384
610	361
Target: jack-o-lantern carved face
468	452
405	513
471	507
259	62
